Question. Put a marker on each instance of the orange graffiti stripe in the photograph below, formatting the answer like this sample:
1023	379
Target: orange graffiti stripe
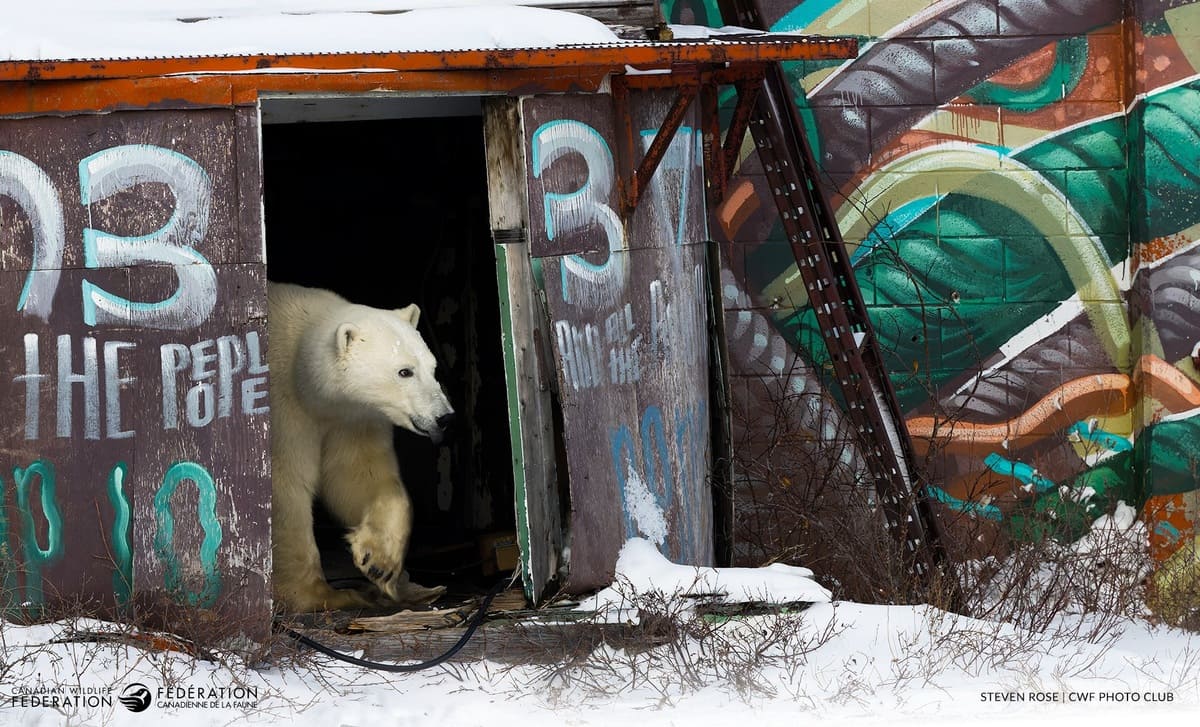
1161	381
1167	519
1159	247
740	202
1029	70
1076	400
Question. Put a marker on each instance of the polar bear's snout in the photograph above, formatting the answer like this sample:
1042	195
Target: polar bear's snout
441	426
437	423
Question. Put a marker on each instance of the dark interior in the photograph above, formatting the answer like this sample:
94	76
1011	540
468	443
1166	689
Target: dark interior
388	213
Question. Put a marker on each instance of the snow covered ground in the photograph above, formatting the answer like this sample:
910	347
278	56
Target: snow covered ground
837	663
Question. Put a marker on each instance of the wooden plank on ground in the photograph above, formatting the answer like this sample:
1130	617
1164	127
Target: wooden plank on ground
504	642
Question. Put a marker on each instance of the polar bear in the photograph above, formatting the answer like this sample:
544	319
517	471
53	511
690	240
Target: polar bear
342	375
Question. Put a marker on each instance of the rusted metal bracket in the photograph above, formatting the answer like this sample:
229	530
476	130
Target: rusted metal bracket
747	93
633	181
720	158
716	171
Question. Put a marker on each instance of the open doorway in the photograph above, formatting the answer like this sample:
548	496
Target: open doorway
384	201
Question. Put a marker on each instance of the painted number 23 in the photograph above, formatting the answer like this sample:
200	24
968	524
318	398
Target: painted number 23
102	175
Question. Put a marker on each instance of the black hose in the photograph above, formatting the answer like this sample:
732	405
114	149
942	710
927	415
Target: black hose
476	620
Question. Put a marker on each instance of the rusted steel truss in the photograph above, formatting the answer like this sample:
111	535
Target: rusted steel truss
633	180
836	300
842	319
691	83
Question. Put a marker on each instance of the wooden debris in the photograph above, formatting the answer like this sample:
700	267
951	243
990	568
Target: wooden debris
408	620
510	600
504	641
146	641
738	610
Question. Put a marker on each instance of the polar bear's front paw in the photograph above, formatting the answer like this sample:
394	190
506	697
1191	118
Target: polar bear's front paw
379	555
319	596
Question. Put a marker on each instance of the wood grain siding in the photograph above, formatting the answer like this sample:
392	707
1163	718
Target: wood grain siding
627	301
134	444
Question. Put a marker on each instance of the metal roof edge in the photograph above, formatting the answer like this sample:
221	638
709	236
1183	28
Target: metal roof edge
762	48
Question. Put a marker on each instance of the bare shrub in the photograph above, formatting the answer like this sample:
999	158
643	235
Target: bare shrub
686	648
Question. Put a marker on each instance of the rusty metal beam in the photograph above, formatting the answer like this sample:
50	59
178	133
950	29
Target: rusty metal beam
30	98
837	303
716	172
222	90
721	157
631	189
842	318
643	56
624	141
747	94
700	74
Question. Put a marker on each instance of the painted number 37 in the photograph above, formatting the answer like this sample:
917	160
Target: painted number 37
102	175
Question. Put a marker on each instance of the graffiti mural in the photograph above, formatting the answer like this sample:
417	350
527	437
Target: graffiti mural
133	450
1015	183
628	308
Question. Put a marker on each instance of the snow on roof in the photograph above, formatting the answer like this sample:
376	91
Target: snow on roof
107	29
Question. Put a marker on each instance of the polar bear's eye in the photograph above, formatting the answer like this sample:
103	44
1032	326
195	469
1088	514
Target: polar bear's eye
406	373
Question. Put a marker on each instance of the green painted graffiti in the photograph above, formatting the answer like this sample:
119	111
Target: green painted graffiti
122	550
1171	453
8	564
36	557
1070	61
1170	121
692	12
164	538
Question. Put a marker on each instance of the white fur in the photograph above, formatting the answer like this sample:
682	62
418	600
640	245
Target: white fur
336	393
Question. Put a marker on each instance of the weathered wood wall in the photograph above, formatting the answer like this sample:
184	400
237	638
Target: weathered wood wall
627	302
133	437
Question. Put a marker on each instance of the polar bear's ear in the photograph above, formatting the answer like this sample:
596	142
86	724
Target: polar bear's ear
347	333
410	313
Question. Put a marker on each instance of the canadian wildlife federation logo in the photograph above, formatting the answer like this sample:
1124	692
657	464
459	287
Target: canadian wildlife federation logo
135	697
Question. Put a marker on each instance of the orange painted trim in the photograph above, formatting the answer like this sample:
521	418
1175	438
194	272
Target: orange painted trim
644	56
46	87
30	98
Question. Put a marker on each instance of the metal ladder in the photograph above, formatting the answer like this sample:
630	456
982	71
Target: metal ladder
833	293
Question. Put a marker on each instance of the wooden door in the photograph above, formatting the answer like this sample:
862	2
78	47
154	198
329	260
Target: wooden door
620	307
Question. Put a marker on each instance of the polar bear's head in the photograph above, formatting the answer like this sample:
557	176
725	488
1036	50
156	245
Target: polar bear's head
386	367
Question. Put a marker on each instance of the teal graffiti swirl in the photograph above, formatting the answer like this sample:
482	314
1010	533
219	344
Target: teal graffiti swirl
1070	62
8	564
36	557
164	538
122	550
